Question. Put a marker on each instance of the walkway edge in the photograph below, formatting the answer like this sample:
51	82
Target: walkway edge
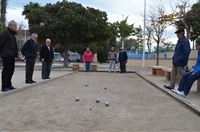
30	86
184	101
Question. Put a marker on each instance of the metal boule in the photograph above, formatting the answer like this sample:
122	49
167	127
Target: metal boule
97	100
77	98
107	104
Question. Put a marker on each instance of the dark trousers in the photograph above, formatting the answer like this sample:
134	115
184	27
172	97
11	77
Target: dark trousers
187	80
46	69
7	71
123	67
30	63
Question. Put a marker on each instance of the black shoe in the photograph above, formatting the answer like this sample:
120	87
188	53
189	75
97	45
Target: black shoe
168	87
5	89
48	78
12	88
33	81
29	82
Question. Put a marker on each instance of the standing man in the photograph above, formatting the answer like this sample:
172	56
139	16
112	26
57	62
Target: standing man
8	52
122	60
180	58
46	56
29	50
88	58
112	58
188	79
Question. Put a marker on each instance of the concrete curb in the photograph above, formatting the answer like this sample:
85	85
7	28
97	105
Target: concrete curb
184	101
31	85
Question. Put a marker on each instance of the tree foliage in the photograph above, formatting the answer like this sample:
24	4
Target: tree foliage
2	26
181	17
69	24
193	16
28	9
123	30
155	30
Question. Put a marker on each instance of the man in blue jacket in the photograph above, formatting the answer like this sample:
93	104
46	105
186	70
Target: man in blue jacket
29	50
189	78
180	58
122	60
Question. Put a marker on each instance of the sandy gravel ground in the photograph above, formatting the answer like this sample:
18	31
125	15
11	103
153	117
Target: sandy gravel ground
135	105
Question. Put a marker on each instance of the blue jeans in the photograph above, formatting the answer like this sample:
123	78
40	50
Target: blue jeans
187	80
87	66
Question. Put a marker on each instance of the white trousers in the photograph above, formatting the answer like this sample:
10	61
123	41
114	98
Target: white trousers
112	66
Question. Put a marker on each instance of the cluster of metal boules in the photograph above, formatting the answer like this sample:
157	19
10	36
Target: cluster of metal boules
97	100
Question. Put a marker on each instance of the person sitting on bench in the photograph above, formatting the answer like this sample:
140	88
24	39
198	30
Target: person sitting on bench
189	78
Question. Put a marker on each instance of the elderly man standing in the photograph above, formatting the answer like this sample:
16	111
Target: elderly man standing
180	58
29	50
46	56
112	57
122	60
8	52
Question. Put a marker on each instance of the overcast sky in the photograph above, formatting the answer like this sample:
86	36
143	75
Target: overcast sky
116	9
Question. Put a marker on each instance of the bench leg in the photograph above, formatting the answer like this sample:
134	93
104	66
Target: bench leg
198	85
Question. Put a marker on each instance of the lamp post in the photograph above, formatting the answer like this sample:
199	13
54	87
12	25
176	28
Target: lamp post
144	33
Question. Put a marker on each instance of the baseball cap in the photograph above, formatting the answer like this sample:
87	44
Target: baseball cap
198	41
180	30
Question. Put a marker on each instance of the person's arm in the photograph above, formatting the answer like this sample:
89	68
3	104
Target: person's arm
84	57
115	56
126	55
92	57
108	55
42	53
3	39
186	51
24	48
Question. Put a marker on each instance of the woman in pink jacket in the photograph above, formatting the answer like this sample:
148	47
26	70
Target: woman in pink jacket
88	58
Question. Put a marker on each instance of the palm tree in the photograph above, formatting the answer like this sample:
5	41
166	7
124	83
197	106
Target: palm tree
28	8
3	11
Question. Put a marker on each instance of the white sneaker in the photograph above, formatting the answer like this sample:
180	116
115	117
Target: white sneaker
174	90
181	93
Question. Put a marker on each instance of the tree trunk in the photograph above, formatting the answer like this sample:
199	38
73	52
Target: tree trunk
3	11
157	59
66	58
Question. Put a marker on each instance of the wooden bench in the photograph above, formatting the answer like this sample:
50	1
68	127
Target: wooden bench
93	67
167	73
75	67
157	70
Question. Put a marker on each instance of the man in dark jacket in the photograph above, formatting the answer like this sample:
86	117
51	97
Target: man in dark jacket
122	60
29	50
190	77
180	58
46	56
8	52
